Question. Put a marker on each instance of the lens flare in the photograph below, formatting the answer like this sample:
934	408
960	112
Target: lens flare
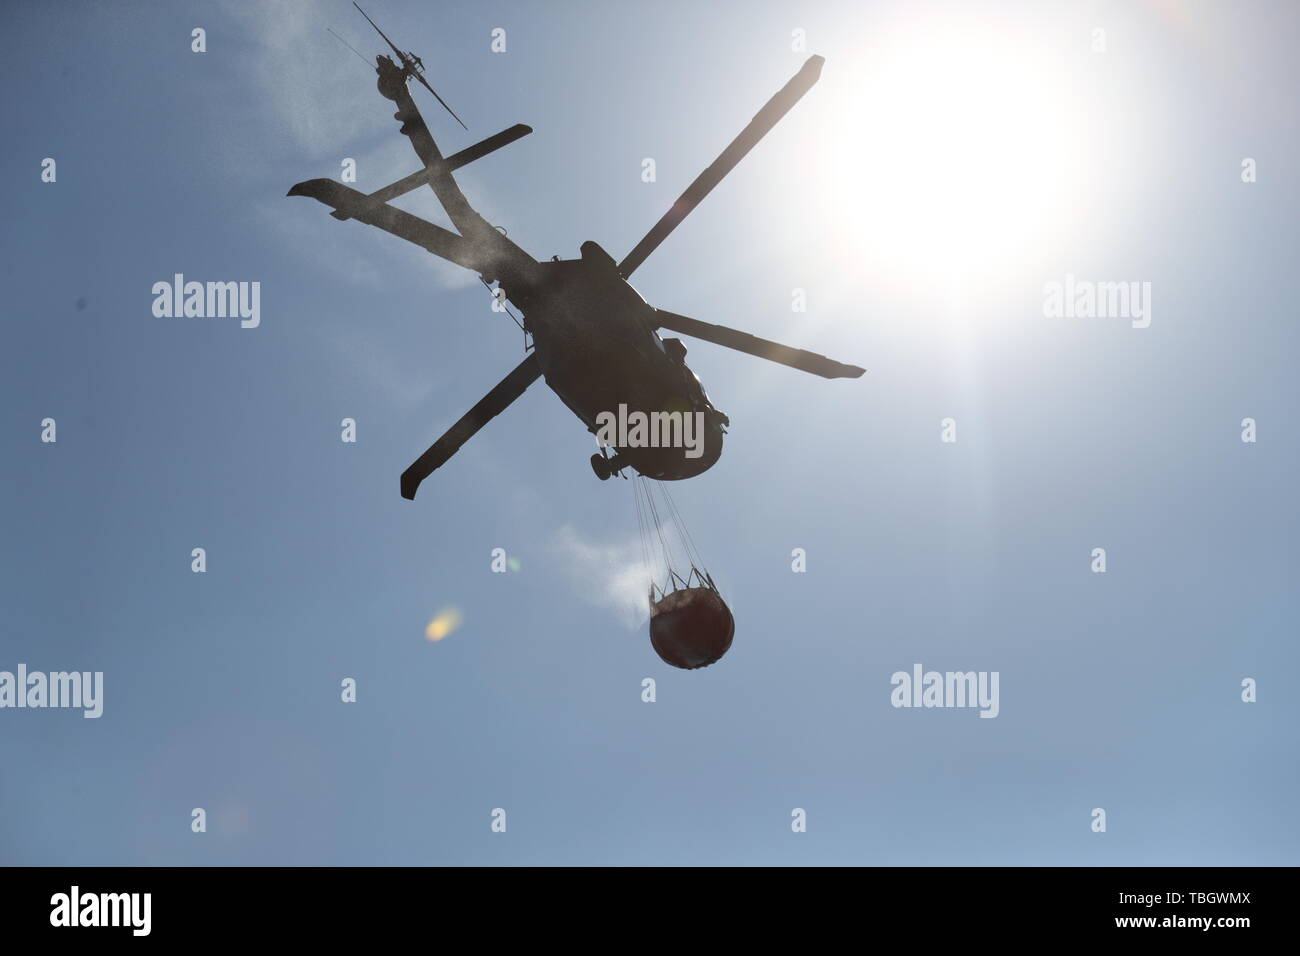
444	623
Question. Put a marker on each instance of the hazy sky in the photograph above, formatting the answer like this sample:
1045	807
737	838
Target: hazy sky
953	160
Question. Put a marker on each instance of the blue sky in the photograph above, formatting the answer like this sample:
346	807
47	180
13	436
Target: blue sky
952	160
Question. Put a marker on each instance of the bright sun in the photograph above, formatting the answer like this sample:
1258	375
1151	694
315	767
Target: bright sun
957	153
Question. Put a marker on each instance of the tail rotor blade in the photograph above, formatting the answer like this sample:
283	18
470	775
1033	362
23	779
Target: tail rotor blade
426	85
400	54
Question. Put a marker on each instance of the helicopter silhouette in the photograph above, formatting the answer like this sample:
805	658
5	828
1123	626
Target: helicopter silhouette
593	337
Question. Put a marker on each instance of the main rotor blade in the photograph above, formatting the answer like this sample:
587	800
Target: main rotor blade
440	100
758	127
753	345
489	407
400	55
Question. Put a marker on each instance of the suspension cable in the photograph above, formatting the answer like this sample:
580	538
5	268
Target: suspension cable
643	535
658	525
692	551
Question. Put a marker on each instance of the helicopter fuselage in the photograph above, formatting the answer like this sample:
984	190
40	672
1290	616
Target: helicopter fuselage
597	347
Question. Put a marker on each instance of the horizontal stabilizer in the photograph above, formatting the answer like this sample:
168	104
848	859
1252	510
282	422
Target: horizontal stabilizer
421	176
390	192
359	206
753	345
489	145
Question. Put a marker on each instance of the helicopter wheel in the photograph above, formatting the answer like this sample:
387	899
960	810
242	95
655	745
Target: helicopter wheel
600	465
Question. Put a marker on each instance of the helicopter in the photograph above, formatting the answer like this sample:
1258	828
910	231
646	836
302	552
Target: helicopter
594	338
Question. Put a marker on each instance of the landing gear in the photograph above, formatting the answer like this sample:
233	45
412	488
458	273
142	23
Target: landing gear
605	466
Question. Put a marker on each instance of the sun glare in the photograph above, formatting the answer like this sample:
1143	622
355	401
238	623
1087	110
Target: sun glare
959	154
